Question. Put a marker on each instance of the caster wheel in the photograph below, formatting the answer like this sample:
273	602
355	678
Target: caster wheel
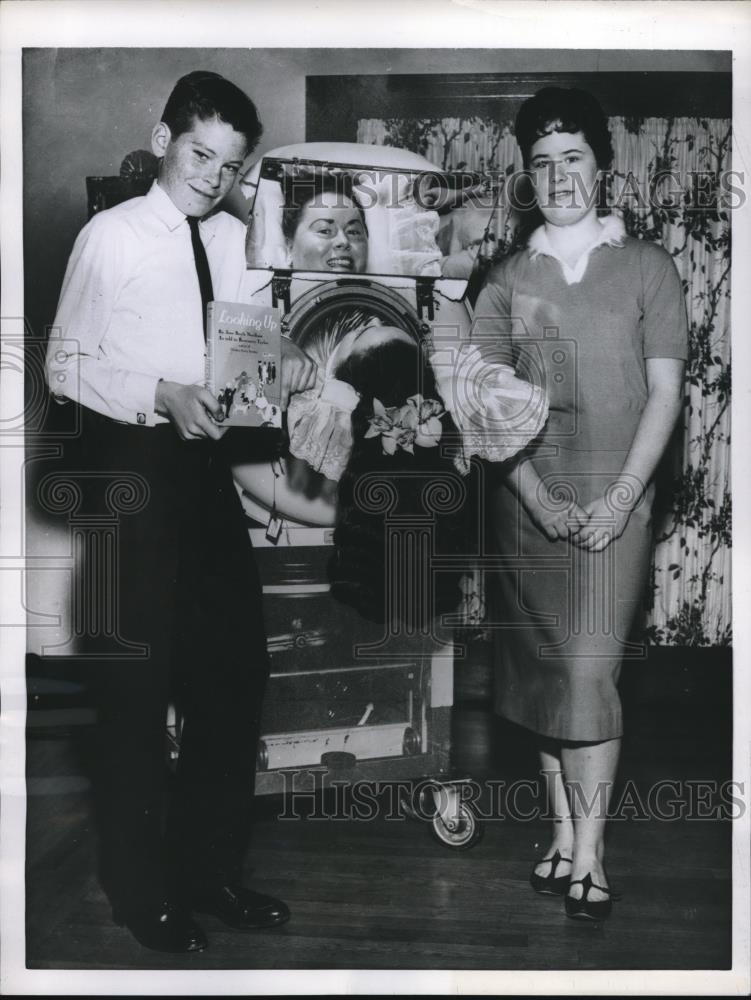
467	833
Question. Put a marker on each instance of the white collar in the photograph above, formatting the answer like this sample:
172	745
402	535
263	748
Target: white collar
612	233
167	211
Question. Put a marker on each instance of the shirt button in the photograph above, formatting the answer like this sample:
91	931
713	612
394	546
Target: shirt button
61	357
141	418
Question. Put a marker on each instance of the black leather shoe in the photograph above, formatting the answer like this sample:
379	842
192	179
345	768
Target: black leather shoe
164	926
551	884
240	908
590	909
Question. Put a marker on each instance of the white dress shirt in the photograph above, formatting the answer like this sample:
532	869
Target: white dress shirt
130	307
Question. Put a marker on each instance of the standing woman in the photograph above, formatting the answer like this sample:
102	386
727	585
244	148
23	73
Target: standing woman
598	318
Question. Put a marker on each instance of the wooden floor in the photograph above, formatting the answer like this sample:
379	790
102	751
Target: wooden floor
384	894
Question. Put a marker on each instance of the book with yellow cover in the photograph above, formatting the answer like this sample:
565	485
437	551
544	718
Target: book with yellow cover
243	362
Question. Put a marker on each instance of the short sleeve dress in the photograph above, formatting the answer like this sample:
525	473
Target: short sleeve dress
564	614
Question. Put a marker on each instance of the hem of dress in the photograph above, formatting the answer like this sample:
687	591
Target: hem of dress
554	733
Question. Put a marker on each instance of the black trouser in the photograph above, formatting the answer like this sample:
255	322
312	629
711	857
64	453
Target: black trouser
187	588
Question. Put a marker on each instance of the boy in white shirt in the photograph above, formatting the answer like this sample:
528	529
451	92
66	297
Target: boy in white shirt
128	348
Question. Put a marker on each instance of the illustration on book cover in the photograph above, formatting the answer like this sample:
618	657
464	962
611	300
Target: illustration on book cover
243	362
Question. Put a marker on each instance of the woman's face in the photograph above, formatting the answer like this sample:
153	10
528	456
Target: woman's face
330	236
564	174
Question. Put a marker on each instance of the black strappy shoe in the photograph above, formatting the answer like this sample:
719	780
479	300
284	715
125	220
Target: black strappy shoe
551	884
589	909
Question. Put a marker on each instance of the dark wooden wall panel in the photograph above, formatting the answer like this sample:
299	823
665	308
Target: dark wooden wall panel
335	103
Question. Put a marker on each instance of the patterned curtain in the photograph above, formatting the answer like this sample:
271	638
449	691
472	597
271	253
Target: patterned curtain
688	158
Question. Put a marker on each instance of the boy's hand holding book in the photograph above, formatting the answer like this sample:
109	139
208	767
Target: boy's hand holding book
192	409
251	370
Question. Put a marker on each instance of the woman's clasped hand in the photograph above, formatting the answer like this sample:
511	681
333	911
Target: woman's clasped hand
592	526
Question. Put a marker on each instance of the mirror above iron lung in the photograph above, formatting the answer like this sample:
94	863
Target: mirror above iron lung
344	237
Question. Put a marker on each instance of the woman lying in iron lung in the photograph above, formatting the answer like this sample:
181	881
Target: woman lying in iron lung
385	411
384	417
350	223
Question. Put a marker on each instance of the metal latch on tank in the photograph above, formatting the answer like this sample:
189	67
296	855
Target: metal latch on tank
424	298
280	289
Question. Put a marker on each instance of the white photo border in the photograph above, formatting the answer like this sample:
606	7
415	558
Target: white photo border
437	24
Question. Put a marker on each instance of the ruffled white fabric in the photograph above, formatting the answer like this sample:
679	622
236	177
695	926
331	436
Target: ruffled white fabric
496	412
320	427
413	241
319	420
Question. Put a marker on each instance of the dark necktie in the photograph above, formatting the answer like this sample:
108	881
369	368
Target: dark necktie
202	268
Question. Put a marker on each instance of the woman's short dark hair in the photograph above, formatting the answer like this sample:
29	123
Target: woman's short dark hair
555	109
205	95
300	189
359	571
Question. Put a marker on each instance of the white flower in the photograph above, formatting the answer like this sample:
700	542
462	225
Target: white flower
417	422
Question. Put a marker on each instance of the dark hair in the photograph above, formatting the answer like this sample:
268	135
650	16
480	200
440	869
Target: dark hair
555	109
205	95
328	328
302	188
360	570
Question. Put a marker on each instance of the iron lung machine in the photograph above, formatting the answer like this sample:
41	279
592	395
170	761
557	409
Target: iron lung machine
345	693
